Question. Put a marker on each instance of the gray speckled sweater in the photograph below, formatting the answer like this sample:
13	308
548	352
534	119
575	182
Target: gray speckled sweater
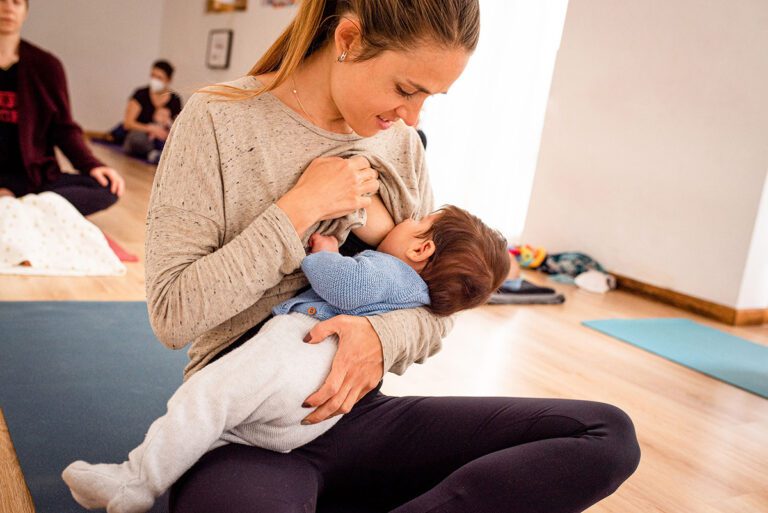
220	254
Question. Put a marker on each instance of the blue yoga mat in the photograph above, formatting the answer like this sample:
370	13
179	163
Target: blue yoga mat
80	380
722	356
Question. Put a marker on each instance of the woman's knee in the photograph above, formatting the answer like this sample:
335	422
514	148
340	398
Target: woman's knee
108	198
137	143
96	200
621	452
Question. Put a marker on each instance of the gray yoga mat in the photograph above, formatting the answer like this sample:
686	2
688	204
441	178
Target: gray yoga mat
80	380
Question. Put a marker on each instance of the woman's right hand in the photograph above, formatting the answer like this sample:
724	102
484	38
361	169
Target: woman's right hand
330	187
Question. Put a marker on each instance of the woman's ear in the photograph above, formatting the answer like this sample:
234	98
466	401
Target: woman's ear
422	251
347	35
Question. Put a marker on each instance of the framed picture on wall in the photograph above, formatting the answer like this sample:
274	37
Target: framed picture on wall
226	5
219	48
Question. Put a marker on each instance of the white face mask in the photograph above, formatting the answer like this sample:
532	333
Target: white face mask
156	85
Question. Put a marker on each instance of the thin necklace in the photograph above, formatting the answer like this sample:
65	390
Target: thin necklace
298	100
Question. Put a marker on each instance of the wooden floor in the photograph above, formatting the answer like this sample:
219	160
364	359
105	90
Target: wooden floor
704	443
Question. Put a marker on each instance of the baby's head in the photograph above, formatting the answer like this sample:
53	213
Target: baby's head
462	260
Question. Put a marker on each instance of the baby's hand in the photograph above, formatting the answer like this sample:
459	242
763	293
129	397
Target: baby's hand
323	243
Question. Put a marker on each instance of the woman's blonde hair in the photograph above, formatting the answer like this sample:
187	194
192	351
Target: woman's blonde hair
384	25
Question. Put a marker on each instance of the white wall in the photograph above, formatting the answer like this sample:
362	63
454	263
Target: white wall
484	136
653	153
184	39
754	283
107	47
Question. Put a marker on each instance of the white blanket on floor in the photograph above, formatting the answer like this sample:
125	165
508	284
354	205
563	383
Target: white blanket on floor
46	231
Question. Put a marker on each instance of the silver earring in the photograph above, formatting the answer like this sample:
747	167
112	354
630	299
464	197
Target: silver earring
342	56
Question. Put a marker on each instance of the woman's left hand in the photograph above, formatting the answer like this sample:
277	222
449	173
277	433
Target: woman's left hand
356	369
101	174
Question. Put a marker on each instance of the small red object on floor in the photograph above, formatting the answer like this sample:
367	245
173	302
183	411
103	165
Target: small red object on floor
121	253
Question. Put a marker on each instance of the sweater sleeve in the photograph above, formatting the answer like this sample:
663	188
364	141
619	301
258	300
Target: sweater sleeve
409	336
412	335
195	282
67	134
346	282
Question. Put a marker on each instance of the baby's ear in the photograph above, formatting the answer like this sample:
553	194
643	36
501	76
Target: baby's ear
423	251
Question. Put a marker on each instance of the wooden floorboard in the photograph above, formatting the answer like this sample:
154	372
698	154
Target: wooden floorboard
14	494
704	442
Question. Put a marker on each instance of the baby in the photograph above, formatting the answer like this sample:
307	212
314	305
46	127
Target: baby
447	261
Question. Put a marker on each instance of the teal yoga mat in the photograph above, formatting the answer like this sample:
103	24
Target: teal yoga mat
722	356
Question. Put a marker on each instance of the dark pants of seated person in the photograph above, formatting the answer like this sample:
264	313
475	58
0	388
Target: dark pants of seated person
83	191
428	455
138	144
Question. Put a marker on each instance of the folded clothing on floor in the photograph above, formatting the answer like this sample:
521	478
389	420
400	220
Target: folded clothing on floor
521	292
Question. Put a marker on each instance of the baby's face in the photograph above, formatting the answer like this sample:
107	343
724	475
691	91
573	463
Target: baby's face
162	115
405	236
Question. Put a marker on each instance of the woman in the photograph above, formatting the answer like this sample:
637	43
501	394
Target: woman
250	172
149	114
35	117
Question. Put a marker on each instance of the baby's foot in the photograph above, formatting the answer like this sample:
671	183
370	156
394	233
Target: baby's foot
92	486
106	486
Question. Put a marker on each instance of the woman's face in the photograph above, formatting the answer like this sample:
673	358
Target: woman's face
158	80
12	16
373	94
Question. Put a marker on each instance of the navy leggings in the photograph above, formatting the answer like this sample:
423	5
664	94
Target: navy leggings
83	191
428	455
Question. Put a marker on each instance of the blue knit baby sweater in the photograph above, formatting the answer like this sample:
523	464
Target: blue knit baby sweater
369	283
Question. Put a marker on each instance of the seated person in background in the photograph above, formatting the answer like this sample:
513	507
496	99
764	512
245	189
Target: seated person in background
149	115
448	261
35	117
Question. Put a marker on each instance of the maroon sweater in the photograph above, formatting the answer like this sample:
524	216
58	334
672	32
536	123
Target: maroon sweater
45	119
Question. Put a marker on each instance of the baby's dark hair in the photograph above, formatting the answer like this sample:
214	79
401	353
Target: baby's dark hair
470	261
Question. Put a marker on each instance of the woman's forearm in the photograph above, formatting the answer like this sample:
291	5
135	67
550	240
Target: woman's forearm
131	117
300	216
192	287
64	131
409	336
196	277
136	126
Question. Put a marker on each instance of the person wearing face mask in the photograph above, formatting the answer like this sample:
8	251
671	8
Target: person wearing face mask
35	118
149	115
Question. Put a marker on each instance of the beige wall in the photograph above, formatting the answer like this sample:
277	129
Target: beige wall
107	47
654	150
184	39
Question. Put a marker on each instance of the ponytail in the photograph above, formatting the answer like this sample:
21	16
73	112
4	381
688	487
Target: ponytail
297	42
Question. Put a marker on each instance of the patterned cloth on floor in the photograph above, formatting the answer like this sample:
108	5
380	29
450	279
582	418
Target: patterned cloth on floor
43	234
564	267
